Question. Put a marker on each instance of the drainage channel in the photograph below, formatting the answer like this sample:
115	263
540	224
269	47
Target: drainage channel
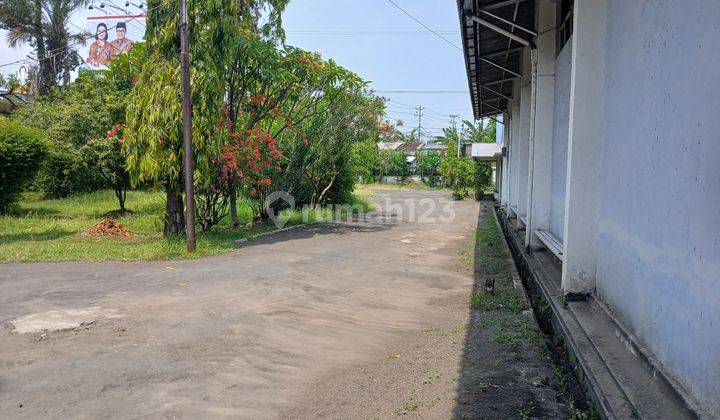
567	385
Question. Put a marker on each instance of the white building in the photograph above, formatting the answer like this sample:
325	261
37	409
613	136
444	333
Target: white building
612	134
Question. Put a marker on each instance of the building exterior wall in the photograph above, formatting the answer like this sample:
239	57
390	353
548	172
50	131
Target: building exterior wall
658	265
522	147
559	144
514	154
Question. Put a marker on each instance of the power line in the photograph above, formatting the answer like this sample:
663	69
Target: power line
425	26
465	92
360	33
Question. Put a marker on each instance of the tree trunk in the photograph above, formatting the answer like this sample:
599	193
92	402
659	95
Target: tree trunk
42	84
174	212
332	181
121	194
233	205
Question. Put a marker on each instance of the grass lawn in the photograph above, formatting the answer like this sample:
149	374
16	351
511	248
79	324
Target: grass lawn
56	230
415	186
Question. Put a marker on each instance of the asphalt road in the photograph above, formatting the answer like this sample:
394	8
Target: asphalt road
246	334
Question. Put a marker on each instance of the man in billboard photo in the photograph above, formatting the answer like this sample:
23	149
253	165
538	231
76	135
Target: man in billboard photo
121	44
100	49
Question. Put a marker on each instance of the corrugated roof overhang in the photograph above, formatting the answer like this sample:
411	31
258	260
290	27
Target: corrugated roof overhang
486	50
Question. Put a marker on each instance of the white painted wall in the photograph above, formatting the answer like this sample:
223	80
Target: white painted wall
658	264
522	143
514	154
559	144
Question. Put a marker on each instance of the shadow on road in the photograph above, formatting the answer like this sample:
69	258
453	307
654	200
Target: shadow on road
357	224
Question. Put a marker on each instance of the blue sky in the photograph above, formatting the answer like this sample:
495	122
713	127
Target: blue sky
413	59
391	61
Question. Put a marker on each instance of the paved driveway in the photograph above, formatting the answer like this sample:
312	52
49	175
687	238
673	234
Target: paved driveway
245	334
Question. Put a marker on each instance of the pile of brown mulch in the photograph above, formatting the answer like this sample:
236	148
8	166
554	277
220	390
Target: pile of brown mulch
109	227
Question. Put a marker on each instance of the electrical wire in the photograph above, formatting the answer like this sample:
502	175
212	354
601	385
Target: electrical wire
425	26
421	91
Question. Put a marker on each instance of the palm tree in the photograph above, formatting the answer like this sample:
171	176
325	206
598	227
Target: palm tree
43	24
477	134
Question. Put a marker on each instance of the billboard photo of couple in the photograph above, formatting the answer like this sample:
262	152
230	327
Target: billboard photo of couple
113	35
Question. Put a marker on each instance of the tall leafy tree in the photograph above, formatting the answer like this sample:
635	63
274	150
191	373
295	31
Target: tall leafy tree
153	134
43	24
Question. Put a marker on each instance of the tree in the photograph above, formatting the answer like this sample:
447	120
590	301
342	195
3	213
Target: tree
458	173
108	157
44	25
394	164
476	133
366	160
154	124
479	134
72	119
483	179
428	164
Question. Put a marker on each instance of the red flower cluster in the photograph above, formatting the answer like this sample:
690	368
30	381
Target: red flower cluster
116	133
258	99
252	157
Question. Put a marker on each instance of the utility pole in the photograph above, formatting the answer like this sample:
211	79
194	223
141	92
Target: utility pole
187	130
419	114
453	119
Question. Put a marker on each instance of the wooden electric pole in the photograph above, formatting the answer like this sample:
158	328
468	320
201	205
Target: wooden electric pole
187	130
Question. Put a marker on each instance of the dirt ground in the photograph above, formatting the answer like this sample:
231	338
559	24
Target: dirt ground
362	319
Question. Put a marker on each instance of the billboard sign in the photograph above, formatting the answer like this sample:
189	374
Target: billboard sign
112	36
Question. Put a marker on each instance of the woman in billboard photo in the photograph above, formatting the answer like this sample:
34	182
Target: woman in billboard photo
100	49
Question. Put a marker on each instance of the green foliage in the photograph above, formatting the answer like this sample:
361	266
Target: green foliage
242	82
394	163
366	160
64	172
21	151
106	155
483	179
75	120
458	174
449	136
428	167
477	133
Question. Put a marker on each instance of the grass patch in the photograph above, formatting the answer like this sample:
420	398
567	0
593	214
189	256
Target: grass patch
490	258
407	407
505	308
52	230
413	186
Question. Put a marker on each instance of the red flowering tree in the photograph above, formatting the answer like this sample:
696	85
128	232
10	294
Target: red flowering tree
248	161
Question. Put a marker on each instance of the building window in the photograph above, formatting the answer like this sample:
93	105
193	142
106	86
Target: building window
565	23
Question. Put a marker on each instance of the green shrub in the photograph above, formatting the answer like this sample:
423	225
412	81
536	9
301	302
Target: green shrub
428	164
458	174
483	179
65	173
71	119
21	153
366	160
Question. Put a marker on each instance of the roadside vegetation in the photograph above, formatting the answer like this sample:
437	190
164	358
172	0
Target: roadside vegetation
81	155
57	229
507	315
